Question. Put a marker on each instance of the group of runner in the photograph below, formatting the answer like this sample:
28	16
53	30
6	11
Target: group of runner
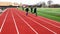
33	10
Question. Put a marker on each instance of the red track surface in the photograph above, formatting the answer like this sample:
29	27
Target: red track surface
14	21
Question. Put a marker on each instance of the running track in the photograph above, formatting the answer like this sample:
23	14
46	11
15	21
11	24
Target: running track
14	21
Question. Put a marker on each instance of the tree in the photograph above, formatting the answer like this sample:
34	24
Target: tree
10	5
43	4
49	3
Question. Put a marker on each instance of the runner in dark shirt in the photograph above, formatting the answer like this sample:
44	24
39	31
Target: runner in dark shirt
27	9
35	11
31	9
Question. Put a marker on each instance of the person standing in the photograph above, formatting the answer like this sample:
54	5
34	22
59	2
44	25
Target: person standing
31	9
27	9
35	11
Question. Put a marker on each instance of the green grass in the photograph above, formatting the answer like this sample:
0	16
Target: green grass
51	13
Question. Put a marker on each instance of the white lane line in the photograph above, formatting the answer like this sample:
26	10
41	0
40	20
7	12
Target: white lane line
15	23
42	25
51	24
3	12
27	24
3	22
48	22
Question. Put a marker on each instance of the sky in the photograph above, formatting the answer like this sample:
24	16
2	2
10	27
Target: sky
30	2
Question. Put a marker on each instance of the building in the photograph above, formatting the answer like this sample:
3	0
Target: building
5	3
15	4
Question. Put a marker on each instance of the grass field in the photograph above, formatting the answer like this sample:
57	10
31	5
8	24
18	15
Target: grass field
51	13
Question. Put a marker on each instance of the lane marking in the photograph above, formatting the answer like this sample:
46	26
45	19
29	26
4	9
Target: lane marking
15	23
47	22
42	25
3	22
51	24
3	12
27	24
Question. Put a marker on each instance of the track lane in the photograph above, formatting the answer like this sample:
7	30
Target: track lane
15	22
20	18
2	16
52	21
9	27
46	20
23	27
55	25
47	24
37	27
3	12
53	28
3	22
